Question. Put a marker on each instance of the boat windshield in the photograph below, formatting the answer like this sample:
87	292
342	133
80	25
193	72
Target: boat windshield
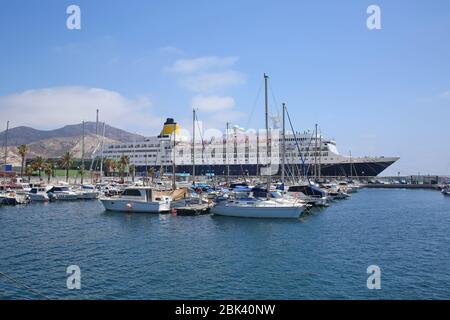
61	189
131	192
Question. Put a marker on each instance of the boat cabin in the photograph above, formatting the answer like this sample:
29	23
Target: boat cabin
144	194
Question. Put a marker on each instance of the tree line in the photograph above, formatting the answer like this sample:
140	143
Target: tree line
39	164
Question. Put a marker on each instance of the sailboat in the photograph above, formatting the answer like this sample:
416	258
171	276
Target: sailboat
261	203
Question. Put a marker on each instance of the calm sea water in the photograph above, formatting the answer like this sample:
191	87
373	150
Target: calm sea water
322	256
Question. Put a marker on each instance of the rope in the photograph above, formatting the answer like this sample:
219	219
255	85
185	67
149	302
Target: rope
24	286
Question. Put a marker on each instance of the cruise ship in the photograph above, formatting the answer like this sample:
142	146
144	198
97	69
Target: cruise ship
238	152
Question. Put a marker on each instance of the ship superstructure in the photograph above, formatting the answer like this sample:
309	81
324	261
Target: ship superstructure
239	152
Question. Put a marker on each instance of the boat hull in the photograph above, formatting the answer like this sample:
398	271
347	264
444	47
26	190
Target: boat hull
66	196
39	197
288	212
123	205
88	195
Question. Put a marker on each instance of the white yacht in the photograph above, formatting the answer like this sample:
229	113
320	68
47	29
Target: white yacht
138	200
259	208
63	193
38	194
88	192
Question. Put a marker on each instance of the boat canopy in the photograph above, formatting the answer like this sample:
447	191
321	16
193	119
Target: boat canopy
309	190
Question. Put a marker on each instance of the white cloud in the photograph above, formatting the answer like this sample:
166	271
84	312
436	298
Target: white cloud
212	103
208	82
51	108
446	94
185	66
208	78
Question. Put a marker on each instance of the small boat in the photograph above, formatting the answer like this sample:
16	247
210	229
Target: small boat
446	191
88	192
38	194
192	209
310	194
193	205
62	193
138	200
11	198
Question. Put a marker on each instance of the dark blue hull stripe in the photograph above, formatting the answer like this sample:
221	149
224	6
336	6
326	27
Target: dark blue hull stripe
327	170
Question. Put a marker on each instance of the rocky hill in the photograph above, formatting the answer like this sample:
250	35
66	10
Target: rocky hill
56	147
27	135
54	143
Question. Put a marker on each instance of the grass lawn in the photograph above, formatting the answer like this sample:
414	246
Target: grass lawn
72	173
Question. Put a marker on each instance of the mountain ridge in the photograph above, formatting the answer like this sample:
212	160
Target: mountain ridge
26	135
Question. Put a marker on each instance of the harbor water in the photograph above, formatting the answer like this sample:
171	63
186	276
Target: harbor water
324	255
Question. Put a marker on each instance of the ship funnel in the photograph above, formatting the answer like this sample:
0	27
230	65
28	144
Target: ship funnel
170	126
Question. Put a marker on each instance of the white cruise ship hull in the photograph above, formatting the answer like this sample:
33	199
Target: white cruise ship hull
133	206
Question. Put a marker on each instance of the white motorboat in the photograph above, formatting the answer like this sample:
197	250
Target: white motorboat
88	193
446	191
309	193
38	194
63	193
12	198
138	200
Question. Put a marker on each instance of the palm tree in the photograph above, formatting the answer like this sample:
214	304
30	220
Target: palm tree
22	150
132	171
48	170
29	172
124	161
38	164
52	163
113	166
66	162
107	165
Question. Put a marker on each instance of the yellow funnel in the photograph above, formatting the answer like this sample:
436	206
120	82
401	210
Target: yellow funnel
170	126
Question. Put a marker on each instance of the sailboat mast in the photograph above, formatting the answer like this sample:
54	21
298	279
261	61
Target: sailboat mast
283	156
351	165
6	147
226	151
102	153
315	155
174	177
266	105
193	146
320	155
82	156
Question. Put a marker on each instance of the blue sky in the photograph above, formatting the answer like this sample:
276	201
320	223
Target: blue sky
377	92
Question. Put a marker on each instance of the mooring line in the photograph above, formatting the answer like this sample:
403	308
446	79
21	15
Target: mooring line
23	285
